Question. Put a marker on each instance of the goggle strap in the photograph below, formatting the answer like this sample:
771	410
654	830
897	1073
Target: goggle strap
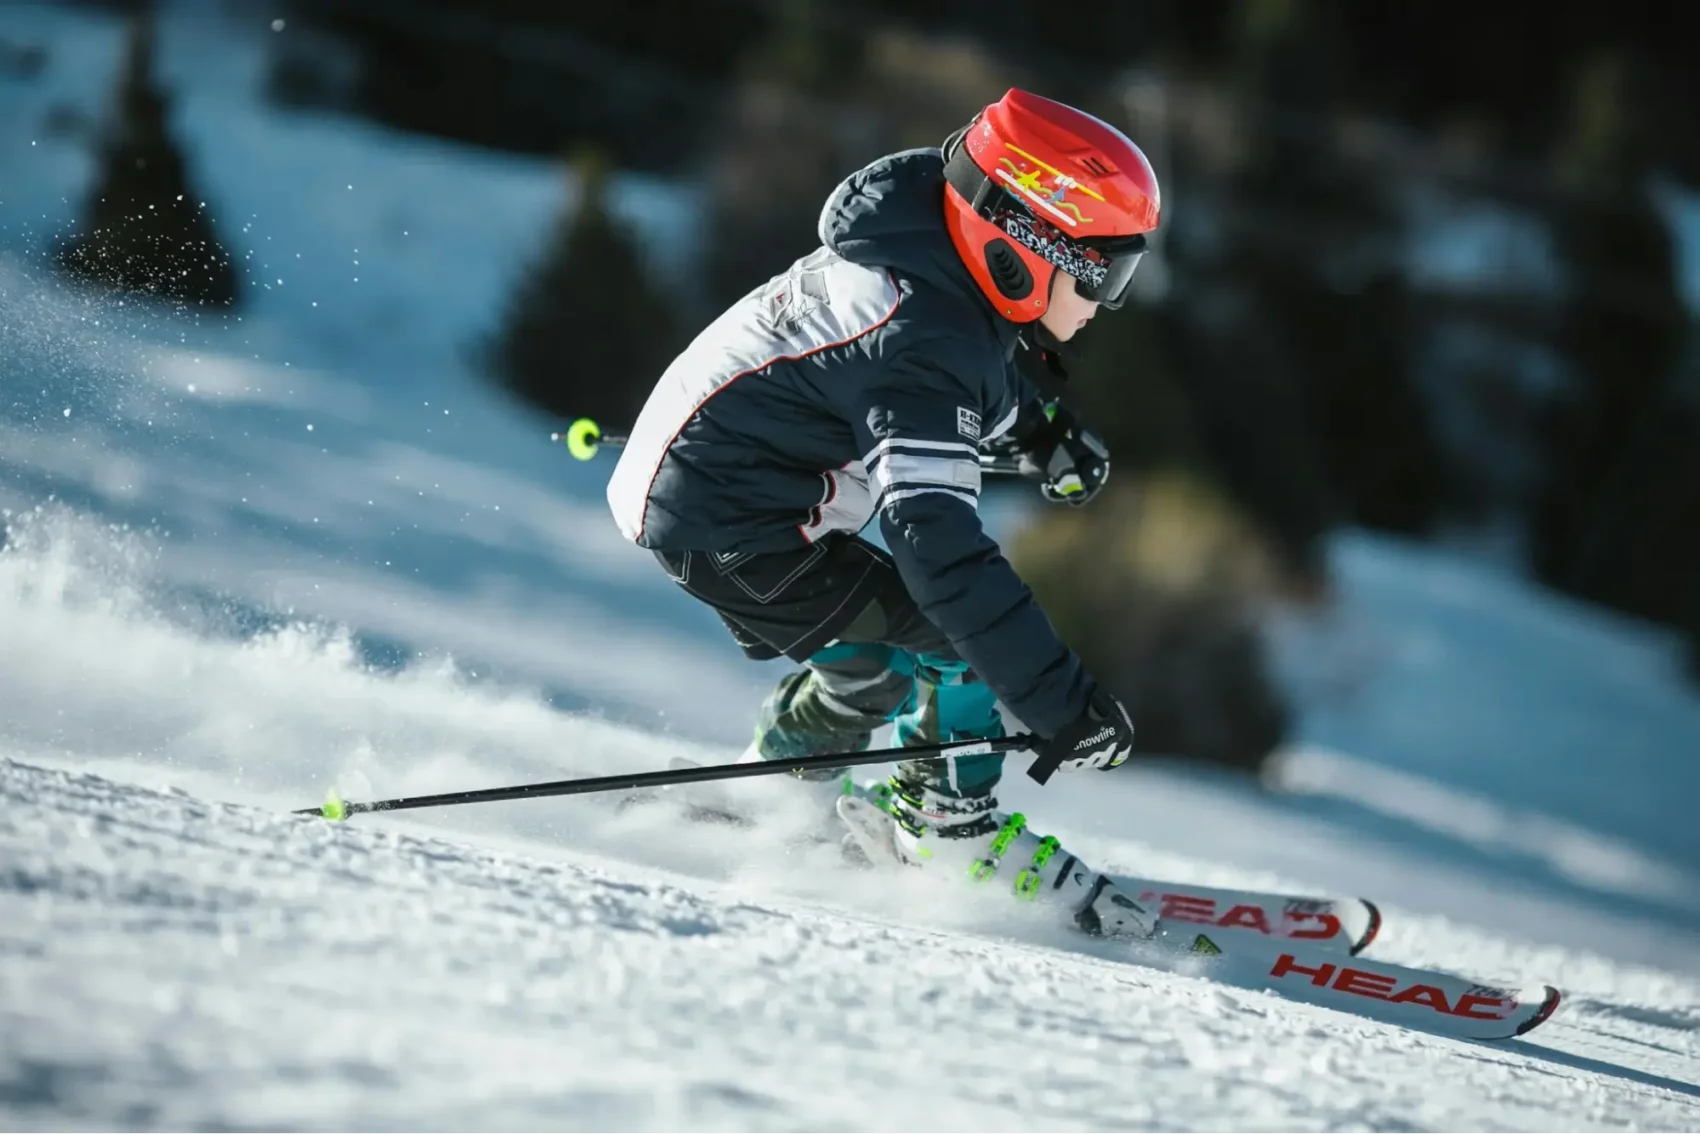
967	178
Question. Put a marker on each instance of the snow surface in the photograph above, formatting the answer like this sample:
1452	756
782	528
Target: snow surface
246	562
176	963
170	959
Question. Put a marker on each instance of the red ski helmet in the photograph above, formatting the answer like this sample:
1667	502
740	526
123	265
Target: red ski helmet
1031	186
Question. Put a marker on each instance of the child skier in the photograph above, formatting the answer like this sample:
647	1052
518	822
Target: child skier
864	381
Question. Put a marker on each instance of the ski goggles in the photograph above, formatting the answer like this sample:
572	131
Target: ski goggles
1102	269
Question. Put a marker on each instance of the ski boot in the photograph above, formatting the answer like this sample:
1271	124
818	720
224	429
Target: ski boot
910	825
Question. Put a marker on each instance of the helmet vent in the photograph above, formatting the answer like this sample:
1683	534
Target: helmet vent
1095	166
1008	272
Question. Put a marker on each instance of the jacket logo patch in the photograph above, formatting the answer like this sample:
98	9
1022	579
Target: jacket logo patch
968	423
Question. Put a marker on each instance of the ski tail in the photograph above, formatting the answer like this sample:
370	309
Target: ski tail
1370	931
1549	1005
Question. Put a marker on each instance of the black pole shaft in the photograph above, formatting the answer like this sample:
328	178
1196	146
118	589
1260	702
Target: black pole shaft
668	776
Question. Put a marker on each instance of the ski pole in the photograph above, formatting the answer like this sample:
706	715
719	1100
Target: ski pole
337	808
584	437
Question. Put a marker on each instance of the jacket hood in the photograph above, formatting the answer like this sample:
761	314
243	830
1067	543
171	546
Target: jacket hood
891	214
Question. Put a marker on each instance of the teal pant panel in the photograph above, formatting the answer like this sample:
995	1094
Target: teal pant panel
951	704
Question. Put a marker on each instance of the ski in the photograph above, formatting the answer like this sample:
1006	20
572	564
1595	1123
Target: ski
1301	948
1330	924
1423	999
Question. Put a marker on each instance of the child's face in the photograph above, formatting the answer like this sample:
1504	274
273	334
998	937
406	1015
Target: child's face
1068	310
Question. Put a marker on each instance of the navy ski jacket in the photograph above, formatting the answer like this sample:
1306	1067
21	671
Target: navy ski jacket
862	381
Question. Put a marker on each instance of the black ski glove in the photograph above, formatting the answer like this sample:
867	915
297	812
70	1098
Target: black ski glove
1101	737
1070	462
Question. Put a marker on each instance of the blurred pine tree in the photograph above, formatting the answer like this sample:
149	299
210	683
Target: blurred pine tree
1691	628
587	331
814	101
779	150
1155	586
145	228
1616	517
1313	248
1638	527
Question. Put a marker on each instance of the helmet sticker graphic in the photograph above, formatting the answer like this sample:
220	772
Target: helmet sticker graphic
1029	183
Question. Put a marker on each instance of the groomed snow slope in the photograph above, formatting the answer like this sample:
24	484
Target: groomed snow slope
170	959
177	963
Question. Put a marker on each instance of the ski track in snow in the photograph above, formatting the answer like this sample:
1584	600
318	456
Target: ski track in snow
175	962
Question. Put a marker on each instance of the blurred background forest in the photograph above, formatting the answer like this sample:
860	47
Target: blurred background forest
1417	271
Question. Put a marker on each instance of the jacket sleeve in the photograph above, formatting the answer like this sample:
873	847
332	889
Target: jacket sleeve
918	429
1025	419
